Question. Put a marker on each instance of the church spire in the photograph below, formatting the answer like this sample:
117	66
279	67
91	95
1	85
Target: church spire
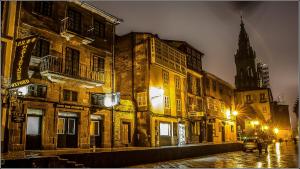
246	77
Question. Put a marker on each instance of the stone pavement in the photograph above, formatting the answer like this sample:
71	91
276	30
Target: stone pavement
278	156
44	153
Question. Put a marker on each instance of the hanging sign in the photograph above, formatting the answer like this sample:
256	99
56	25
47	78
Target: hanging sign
21	62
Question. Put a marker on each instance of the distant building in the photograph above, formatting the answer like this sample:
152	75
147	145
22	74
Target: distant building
281	120
253	95
263	75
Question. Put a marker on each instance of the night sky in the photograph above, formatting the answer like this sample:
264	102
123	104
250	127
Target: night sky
213	28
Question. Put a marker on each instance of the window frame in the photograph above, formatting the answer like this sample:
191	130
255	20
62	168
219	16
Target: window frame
167	102
100	30
41	6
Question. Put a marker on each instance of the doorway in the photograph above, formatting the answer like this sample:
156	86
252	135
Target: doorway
125	133
223	133
96	131
67	130
181	133
209	133
33	132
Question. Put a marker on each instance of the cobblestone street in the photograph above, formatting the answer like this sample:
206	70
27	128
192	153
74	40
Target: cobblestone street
279	156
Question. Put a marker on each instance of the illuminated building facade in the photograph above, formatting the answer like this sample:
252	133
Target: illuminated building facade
195	97
220	107
152	74
67	104
253	97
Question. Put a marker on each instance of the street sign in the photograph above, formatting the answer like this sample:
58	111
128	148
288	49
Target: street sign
18	117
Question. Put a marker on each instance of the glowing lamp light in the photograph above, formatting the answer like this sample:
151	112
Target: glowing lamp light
227	113
276	130
156	96
235	113
23	90
266	127
255	122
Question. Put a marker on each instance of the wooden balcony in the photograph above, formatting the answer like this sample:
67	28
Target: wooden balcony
83	34
55	70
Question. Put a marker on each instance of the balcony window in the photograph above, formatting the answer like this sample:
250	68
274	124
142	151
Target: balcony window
72	61
74	22
70	95
98	64
37	90
43	8
142	99
99	29
42	48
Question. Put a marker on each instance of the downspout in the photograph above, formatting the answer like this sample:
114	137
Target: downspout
113	87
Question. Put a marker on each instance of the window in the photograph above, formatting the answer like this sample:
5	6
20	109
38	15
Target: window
248	98
199	104
99	29
70	95
33	125
177	82
221	88
41	48
61	126
190	83
232	128
198	86
262	97
72	61
43	8
214	85
207	83
142	99
165	77
74	21
71	126
164	129
98	64
166	102
178	104
37	90
94	128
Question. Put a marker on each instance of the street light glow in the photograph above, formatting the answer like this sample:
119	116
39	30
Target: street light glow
227	113
276	130
235	113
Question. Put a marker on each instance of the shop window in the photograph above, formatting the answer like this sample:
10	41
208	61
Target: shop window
142	99
61	126
33	125
70	95
94	128
43	8
99	29
164	129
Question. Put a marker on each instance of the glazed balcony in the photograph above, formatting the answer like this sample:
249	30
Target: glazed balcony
83	33
55	70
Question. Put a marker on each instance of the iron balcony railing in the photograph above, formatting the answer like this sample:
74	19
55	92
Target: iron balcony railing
84	31
55	65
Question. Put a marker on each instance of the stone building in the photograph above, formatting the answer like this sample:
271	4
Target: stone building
152	74
8	24
253	100
195	99
263	75
68	101
220	109
281	120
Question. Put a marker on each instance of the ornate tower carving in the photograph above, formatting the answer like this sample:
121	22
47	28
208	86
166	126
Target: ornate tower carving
246	77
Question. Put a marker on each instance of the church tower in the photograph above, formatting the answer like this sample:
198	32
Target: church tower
246	77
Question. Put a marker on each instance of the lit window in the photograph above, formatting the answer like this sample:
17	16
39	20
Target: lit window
165	77
178	104
164	129
61	126
167	102
33	125
94	128
177	82
142	99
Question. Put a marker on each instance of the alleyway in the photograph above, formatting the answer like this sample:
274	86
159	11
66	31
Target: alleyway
278	156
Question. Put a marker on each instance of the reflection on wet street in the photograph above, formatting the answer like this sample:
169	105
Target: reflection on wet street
278	156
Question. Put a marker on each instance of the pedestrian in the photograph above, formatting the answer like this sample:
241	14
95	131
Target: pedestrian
259	146
266	147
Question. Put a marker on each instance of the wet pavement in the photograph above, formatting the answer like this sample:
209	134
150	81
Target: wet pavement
278	156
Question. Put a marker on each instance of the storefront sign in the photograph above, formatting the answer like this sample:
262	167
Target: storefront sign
69	106
196	114
18	117
21	62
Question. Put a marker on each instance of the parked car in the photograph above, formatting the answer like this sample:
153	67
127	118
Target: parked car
249	144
